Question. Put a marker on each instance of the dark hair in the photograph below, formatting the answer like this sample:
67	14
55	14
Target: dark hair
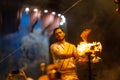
56	29
15	72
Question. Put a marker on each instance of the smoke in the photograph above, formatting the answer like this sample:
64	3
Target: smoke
36	44
112	73
35	47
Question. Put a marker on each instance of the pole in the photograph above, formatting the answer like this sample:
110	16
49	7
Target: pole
89	66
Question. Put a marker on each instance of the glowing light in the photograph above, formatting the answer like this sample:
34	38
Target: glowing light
45	11
35	10
59	15
94	48
84	48
63	20
53	13
27	9
61	23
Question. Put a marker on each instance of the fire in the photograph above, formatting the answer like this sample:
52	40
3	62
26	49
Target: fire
94	49
84	48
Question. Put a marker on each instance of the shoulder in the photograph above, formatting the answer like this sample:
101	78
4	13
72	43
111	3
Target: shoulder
54	45
70	44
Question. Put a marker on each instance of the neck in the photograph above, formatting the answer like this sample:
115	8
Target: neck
62	41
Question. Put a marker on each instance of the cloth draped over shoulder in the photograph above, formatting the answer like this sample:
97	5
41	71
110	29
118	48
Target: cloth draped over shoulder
63	55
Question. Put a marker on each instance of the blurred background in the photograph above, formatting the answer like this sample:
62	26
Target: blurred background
26	32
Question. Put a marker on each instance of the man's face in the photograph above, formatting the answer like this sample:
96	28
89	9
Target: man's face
59	34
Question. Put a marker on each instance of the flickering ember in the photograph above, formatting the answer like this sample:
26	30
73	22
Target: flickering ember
84	48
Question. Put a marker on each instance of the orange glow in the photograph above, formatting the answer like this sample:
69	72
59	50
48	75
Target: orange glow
84	48
94	49
85	34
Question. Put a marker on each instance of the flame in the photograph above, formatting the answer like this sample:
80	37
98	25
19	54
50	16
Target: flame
85	34
94	48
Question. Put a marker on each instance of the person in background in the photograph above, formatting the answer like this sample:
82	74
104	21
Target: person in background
64	55
52	73
16	75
